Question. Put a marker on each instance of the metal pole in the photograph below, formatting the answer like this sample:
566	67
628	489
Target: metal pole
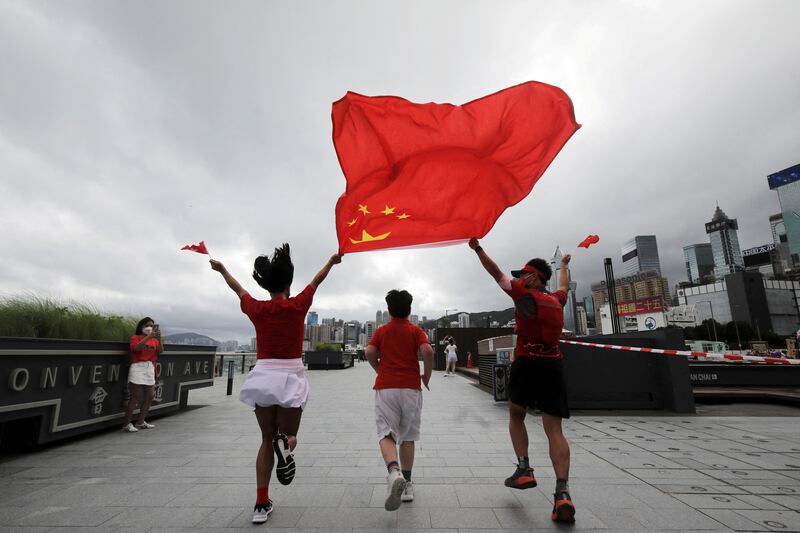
242	363
611	289
713	322
230	378
221	365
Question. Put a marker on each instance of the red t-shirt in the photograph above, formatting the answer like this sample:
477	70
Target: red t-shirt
148	353
398	343
539	317
279	324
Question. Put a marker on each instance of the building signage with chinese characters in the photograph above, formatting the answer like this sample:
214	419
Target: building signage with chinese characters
638	307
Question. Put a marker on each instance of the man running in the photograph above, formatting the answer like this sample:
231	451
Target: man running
392	352
537	377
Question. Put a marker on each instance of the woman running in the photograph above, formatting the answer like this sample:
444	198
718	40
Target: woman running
276	388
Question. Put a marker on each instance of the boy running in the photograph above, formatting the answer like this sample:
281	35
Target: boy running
392	352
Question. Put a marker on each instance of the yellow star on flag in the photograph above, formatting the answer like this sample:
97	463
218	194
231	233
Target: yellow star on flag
363	209
388	211
352	222
403	216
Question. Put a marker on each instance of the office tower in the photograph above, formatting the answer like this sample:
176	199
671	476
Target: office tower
414	319
369	329
640	254
699	260
723	234
312	319
378	319
569	308
787	184
463	320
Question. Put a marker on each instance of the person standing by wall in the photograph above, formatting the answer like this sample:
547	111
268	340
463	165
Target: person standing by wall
145	347
451	354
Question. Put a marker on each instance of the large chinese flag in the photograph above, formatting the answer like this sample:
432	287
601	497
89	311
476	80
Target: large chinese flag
436	173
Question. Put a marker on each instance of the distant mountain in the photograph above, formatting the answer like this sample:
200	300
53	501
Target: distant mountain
477	320
194	339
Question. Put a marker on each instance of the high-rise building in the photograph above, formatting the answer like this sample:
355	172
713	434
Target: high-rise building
640	254
253	344
588	305
723	234
328	321
581	321
351	331
414	319
699	260
787	184
424	318
378	318
463	320
385	317
783	257
312	319
569	308
369	329
647	286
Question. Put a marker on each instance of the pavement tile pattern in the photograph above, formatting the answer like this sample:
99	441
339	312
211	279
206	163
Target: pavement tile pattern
195	470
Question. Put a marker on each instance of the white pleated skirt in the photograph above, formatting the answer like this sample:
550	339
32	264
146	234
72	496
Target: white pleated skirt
276	382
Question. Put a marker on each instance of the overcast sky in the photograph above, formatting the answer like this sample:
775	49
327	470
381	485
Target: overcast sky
128	129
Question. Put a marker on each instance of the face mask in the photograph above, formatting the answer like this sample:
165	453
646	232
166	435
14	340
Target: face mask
147	330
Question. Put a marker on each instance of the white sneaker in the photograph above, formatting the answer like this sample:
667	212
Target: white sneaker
145	425
408	492
262	512
445	375
129	428
395	483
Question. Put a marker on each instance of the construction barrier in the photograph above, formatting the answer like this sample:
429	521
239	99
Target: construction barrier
705	355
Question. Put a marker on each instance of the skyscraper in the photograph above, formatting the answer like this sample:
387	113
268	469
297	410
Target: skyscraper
569	308
787	184
312	319
463	320
699	261
378	319
723	234
369	329
781	241
640	254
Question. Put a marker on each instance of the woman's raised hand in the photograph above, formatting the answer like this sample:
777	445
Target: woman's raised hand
216	265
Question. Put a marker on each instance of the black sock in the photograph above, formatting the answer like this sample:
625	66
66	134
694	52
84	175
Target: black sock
392	465
523	463
407	474
561	485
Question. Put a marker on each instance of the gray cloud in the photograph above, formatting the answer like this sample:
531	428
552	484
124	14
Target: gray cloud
128	130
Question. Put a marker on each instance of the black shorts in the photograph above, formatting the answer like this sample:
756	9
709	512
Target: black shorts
538	383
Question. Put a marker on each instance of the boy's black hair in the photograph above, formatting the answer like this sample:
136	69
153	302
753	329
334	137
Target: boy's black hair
399	303
276	274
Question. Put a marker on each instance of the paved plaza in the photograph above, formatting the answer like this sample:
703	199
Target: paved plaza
640	472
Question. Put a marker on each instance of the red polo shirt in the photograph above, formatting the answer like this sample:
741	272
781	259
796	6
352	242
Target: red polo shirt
149	352
398	344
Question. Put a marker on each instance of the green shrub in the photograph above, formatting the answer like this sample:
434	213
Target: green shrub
329	347
47	318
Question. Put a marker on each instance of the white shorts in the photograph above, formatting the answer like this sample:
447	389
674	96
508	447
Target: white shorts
398	412
276	382
142	373
452	359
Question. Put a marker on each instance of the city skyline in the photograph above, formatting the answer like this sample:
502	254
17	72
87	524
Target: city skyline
114	162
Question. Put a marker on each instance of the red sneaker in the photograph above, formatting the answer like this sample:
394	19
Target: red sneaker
563	508
522	479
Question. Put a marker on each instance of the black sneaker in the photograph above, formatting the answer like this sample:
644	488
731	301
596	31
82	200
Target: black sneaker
521	479
284	471
261	512
563	508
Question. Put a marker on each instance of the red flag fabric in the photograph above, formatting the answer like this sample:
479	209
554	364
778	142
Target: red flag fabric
588	241
199	248
422	174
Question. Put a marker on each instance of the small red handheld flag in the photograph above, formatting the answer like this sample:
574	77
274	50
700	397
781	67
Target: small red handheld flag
199	248
588	241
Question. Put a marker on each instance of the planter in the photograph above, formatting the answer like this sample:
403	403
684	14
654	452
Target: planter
328	359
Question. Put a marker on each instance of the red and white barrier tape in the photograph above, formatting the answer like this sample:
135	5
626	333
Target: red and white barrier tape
706	355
